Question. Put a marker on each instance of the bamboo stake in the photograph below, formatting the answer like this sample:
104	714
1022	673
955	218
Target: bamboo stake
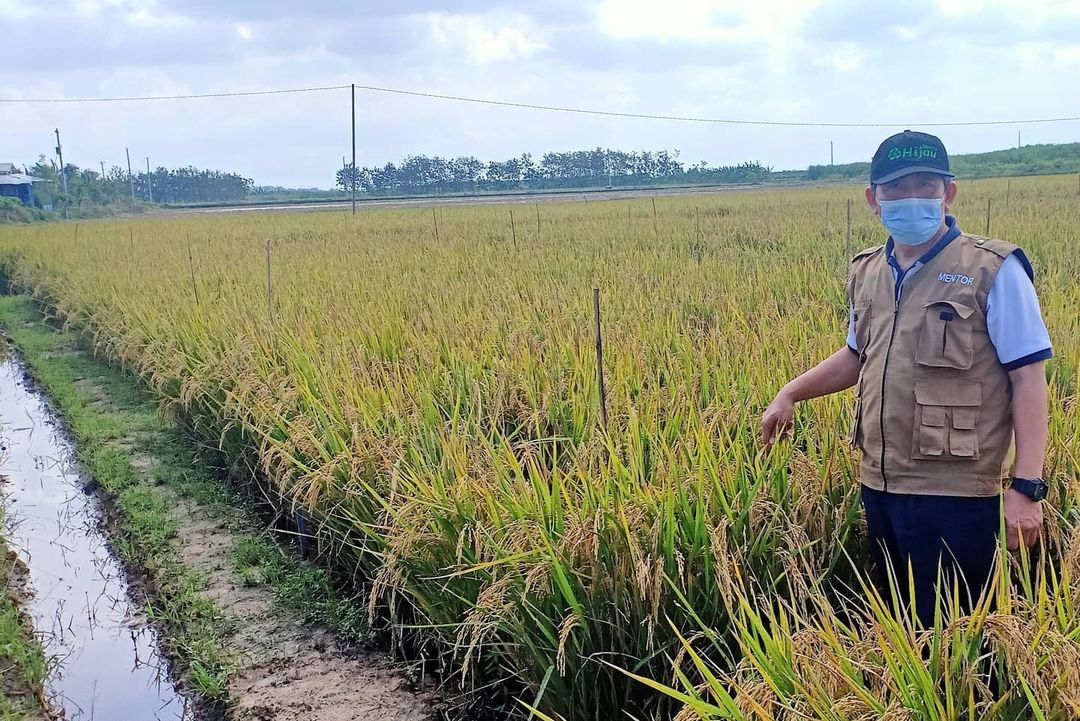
191	267
435	221
847	234
537	219
269	285
988	217
656	228
513	228
599	358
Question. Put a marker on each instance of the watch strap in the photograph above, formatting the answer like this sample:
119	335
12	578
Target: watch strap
1033	488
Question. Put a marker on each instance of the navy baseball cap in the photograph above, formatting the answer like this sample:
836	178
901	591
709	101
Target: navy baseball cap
909	152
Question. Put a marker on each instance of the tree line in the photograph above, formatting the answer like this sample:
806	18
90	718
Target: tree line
577	168
88	188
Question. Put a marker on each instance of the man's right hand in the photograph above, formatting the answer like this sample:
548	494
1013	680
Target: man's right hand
776	421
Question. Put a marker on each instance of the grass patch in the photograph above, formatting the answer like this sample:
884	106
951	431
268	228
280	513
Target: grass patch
24	666
301	587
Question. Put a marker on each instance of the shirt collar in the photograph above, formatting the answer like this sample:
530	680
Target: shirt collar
952	231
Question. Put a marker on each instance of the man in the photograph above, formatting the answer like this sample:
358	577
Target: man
947	344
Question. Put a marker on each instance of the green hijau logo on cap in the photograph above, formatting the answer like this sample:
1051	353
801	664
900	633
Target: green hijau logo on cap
913	152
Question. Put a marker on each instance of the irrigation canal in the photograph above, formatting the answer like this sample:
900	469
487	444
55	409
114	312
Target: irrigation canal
109	666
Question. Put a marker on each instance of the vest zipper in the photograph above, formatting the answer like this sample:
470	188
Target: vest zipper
884	373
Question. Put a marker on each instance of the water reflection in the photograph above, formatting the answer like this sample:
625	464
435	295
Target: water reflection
109	665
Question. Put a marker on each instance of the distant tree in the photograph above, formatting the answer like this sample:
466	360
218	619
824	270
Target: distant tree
345	177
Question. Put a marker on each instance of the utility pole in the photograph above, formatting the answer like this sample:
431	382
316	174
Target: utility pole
353	176
131	179
149	185
102	162
830	153
63	172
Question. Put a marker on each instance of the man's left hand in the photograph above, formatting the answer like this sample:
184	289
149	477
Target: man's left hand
1023	519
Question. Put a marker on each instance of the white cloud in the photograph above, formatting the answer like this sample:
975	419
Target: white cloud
843	57
769	29
701	20
905	32
1044	56
244	31
1026	12
1067	55
674	20
486	39
15	9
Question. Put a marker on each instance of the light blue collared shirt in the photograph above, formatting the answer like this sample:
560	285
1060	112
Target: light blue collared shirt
1013	317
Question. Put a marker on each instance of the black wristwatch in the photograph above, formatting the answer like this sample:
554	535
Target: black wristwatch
1033	488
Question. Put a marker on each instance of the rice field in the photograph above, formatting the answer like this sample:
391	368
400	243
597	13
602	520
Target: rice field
423	385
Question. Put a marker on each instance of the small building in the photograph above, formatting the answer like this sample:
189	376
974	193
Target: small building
14	184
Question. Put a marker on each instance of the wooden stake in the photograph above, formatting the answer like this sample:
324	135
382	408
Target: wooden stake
131	242
656	228
435	220
191	267
599	358
826	217
76	241
513	228
537	219
269	285
988	217
1008	192
847	234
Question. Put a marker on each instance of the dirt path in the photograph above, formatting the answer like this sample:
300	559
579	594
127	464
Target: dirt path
286	672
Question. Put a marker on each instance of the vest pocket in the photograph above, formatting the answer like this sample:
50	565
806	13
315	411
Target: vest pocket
861	312
854	437
946	415
945	337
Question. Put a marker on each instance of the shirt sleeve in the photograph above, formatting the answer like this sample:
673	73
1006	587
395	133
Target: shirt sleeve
1013	316
852	344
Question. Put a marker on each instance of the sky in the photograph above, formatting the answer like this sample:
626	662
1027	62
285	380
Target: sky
901	64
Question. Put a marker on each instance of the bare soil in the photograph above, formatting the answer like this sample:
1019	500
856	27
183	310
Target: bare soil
287	672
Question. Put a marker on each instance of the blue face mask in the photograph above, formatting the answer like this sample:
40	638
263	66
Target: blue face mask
911	221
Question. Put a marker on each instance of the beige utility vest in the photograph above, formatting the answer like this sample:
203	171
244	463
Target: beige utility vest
933	410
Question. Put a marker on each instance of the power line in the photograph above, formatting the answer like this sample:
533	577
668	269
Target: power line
554	108
192	96
723	121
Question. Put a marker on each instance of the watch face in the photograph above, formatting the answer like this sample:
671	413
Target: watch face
1040	489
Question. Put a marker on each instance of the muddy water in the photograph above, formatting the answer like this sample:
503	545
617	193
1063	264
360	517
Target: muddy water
109	668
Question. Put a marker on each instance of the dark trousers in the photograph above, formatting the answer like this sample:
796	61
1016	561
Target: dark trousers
961	532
